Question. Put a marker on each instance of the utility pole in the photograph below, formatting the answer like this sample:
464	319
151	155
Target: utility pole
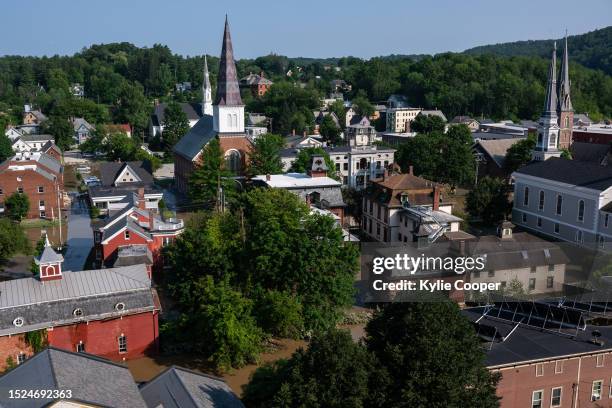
59	214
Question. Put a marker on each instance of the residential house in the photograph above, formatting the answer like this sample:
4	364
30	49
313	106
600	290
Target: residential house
40	177
32	116
314	187
340	86
182	87
223	119
565	199
83	379
119	180
386	201
82	130
193	112
361	133
320	115
258	84
119	127
30	143
134	234
491	156
582	120
77	90
471	123
349	115
112	313
399	118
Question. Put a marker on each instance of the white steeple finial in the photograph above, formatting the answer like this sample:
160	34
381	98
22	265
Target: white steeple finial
207	107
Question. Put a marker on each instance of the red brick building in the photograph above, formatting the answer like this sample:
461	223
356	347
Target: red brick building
109	312
258	84
134	235
39	176
547	354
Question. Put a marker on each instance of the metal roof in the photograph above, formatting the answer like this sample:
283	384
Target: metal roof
198	136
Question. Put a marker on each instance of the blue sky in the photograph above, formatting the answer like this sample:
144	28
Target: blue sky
314	28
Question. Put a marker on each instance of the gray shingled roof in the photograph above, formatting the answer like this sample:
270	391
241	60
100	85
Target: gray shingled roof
193	111
50	162
591	152
228	91
180	388
49	256
198	136
126	223
91	379
78	122
573	172
95	292
109	171
497	148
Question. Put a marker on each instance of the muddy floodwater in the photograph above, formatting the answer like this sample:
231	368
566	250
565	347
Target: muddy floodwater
143	369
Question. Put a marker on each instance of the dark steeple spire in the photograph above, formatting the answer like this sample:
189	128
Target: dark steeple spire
565	102
228	92
550	105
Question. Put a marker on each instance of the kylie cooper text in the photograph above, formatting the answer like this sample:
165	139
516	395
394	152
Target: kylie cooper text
403	262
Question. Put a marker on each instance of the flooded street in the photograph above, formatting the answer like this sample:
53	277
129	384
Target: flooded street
143	369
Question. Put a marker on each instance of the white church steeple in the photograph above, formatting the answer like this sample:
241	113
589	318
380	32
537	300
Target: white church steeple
207	107
548	129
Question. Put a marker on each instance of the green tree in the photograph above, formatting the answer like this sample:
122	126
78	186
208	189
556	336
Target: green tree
120	147
338	108
211	175
334	371
13	240
329	130
60	128
17	206
488	200
221	324
279	313
132	106
6	150
427	124
418	356
362	105
566	154
175	123
265	156
519	154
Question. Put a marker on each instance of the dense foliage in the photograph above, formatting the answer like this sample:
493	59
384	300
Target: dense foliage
519	154
590	49
17	206
304	157
402	363
13	240
488	200
265	157
270	250
211	177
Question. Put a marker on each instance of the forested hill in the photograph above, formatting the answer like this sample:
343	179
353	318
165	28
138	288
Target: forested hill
593	49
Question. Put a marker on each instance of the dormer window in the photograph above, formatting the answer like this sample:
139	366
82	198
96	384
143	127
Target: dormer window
126	234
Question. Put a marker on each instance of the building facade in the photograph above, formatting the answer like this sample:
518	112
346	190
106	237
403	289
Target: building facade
398	119
358	165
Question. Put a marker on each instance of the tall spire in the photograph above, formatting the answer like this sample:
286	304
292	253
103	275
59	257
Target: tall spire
565	102
228	92
207	108
550	105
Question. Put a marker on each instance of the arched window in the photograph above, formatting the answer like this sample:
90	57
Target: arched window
229	120
541	204
553	140
233	161
581	210
526	197
567	121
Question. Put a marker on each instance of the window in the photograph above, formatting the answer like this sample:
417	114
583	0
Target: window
18	322
345	166
602	241
606	219
21	358
581	210
559	204
524	217
549	281
337	166
555	397
43	214
596	390
41	189
41	203
122	344
77	312
579	237
536	399
166	241
541	203
551	268
377	229
120	306
126	234
80	347
526	197
20	190
539	222
532	283
600	360
559	367
371	207
233	161
556	228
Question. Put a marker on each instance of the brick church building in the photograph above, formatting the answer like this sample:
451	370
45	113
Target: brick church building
111	313
223	119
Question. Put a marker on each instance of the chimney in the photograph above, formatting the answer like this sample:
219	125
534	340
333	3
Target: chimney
141	198
385	174
411	170
436	198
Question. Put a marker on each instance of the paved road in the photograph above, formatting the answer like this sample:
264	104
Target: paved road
80	236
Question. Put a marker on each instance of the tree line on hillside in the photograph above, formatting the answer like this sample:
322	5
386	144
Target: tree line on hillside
121	81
